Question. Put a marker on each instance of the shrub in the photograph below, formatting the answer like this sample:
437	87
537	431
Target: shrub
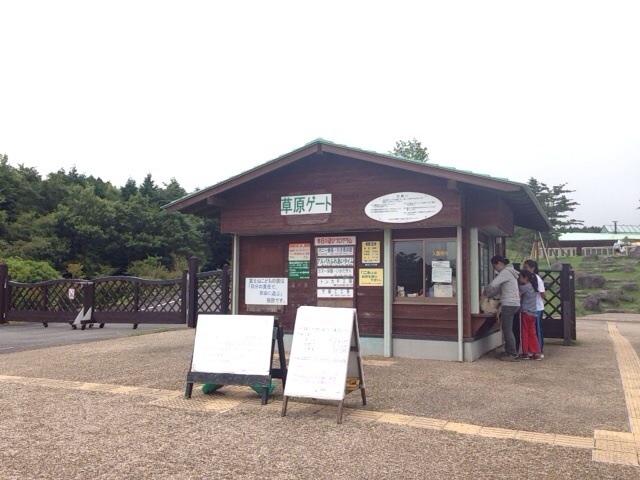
30	271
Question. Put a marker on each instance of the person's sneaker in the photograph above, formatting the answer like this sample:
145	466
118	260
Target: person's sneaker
536	356
524	356
541	356
507	357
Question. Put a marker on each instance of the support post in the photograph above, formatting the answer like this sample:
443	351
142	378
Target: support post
192	293
388	293
568	302
224	290
4	294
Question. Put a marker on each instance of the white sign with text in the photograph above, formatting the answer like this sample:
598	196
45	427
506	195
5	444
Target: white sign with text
319	358
238	344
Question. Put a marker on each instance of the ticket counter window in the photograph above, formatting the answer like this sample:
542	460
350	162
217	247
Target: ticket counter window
425	270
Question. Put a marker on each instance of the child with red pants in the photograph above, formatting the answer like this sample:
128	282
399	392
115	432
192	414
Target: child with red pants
528	293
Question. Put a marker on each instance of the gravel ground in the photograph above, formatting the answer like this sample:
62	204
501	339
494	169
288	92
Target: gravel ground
68	434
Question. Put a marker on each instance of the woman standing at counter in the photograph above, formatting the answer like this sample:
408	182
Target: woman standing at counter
505	285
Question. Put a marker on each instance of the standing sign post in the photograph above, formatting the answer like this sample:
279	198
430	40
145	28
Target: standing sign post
237	350
325	361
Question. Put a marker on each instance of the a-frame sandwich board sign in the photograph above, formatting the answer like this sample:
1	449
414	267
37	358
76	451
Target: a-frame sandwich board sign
237	350
325	361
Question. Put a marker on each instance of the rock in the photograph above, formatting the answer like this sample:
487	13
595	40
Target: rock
606	297
630	287
591	303
589	280
627	268
625	298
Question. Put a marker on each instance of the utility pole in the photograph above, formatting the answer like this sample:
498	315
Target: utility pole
615	226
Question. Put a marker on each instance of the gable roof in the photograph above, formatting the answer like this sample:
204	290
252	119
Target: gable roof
527	211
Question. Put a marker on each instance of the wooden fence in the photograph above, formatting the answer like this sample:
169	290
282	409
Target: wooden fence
116	299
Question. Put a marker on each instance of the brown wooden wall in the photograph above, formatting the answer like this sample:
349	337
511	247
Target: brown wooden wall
255	208
266	256
253	211
485	210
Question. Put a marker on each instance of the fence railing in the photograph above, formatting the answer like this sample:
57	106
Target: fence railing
559	252
116	299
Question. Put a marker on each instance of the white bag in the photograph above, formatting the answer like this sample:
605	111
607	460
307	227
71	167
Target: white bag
489	305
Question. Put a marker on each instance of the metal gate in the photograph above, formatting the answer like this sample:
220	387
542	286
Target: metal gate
116	299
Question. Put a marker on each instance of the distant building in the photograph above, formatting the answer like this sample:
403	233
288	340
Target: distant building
633	229
600	243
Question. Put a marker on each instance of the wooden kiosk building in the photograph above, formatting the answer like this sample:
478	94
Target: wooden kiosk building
404	242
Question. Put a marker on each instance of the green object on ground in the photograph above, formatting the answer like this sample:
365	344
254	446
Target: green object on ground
258	389
210	387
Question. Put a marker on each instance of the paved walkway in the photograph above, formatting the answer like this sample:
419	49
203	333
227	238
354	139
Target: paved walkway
612	447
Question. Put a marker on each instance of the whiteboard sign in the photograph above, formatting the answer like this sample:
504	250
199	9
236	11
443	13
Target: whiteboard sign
238	344
319	356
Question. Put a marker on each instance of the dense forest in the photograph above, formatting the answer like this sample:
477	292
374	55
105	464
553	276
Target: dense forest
72	225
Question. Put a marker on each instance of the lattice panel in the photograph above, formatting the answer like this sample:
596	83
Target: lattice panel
160	298
553	301
210	293
57	297
135	296
115	296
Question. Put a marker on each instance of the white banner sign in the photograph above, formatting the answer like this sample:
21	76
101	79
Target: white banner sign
335	282
330	241
335	293
266	291
335	272
335	261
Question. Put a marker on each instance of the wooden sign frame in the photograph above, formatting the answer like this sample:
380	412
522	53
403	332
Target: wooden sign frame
253	373
325	361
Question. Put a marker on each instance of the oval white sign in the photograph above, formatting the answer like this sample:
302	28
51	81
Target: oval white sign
403	207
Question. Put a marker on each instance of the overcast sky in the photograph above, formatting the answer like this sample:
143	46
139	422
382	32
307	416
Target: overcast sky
202	90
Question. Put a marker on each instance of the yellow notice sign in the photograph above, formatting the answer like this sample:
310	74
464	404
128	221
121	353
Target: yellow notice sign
370	277
371	253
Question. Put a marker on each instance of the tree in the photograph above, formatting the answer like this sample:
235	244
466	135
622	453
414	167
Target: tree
130	188
29	271
85	227
555	204
411	149
149	189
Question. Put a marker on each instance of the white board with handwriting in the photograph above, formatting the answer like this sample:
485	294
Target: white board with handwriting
238	344
319	357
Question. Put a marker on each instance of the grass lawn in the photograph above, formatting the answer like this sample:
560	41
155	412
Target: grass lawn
617	271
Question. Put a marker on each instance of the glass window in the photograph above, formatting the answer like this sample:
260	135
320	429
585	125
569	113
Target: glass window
425	268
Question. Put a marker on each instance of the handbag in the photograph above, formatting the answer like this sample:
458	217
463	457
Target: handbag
489	304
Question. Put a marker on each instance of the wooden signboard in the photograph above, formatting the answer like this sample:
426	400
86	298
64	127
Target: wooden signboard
236	350
325	361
